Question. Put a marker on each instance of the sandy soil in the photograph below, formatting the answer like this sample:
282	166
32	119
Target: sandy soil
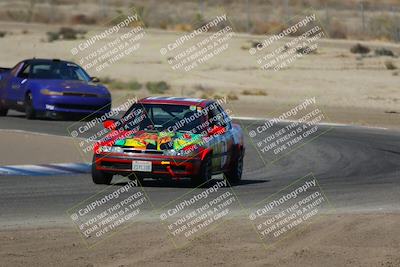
351	89
333	240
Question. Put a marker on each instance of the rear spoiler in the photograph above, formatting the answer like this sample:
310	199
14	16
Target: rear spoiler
4	69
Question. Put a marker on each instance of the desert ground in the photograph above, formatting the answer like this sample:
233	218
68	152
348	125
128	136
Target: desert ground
349	88
334	240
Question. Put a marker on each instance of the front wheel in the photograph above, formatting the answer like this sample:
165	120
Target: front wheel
30	113
205	173
3	111
100	177
234	175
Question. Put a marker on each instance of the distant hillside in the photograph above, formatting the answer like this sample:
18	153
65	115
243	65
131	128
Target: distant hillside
342	19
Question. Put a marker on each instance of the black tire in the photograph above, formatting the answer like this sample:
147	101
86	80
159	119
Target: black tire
205	172
234	175
100	177
3	111
30	113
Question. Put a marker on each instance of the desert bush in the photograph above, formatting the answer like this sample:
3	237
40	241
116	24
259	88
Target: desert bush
157	87
337	30
262	27
65	33
198	20
70	33
232	96
360	49
258	92
120	85
83	19
2	34
180	27
384	52
305	50
390	65
250	44
53	36
134	85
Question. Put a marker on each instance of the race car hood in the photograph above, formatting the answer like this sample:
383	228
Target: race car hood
143	140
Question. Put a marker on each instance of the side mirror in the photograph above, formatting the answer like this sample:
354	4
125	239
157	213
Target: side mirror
109	124
94	79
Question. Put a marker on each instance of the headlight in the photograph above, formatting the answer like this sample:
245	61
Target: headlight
187	153
110	149
48	92
171	152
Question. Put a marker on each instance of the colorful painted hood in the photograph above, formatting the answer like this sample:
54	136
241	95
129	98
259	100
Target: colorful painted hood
143	140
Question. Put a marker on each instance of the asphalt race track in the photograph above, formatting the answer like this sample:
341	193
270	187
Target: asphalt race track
358	168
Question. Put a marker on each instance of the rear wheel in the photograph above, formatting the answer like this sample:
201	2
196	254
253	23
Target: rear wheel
100	177
30	113
234	175
205	172
3	110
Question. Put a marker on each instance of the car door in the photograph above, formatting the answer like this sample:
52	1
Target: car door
220	143
17	84
9	93
227	138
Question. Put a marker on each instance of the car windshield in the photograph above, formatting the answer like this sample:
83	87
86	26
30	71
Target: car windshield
161	117
55	70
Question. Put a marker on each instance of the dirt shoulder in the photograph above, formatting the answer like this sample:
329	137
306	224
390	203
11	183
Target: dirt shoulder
332	240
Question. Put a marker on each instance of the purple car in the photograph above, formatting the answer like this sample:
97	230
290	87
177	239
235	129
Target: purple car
51	87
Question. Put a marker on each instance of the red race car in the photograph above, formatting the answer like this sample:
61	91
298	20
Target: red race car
172	138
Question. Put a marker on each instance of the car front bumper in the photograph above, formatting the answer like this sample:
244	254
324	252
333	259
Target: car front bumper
174	167
73	104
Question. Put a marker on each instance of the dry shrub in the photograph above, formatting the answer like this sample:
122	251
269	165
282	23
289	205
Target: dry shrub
71	34
337	30
232	96
272	27
384	52
157	87
390	65
181	27
83	19
205	91
257	92
360	49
